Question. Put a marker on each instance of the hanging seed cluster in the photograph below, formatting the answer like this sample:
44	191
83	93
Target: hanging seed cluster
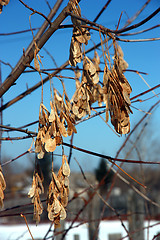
117	93
113	92
86	91
54	125
2	187
58	193
34	193
80	35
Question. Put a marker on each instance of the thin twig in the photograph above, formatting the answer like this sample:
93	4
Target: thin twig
6	64
14	159
18	129
130	20
14	138
126	29
147	91
137	40
135	189
27	226
141	120
139	32
111	159
18	32
102	10
34	11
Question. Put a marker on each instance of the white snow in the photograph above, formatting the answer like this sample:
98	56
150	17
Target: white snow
20	232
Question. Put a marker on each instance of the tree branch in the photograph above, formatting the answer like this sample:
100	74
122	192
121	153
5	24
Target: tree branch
21	65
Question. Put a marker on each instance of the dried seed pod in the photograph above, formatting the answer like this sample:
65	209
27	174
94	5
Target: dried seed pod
51	215
81	101
61	127
90	70
50	145
70	126
75	52
2	180
116	96
57	206
65	166
75	8
38	145
32	189
77	76
119	60
41	154
52	116
56	181
2	187
64	196
66	182
62	213
96	61
58	193
82	35
34	192
36	62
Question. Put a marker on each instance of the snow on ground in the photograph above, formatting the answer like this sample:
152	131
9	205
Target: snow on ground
106	229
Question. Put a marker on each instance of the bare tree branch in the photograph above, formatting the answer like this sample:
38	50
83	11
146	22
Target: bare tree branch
29	54
34	11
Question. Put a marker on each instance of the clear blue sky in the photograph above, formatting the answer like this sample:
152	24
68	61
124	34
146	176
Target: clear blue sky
94	134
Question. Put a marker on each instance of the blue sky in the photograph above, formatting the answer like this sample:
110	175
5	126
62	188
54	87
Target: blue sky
94	134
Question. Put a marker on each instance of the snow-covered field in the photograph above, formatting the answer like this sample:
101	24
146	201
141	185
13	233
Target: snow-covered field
106	229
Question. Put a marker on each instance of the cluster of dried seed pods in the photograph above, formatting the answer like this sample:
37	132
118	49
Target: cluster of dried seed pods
116	90
54	125
80	35
34	193
116	93
58	193
88	91
2	187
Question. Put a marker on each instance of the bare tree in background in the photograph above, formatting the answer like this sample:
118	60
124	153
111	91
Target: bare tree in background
101	87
